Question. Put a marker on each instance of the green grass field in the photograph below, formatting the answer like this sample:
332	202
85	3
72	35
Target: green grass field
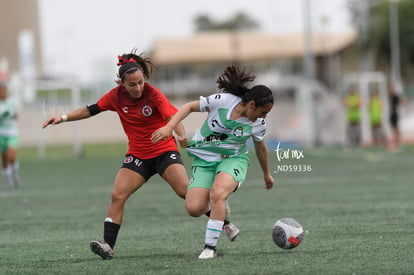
357	208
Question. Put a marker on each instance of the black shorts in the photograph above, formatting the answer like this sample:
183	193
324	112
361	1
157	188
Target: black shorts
148	167
394	120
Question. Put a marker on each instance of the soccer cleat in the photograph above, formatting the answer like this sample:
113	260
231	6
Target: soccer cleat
102	249
208	253
231	231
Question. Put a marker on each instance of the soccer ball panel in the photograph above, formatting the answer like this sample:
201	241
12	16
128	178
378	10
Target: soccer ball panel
287	233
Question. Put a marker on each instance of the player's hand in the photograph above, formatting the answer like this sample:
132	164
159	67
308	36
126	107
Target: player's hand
161	134
52	121
183	141
269	181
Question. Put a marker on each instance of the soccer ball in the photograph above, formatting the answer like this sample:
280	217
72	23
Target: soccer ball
287	233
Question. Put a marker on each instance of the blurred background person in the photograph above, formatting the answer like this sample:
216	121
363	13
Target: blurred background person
395	102
375	117
352	102
9	138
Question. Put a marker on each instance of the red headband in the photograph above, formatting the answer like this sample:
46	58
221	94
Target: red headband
122	60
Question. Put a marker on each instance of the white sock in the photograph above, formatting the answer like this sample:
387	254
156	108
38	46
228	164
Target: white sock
213	232
7	172
15	173
15	166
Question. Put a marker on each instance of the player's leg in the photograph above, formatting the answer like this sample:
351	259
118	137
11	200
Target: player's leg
230	174
397	133
198	193
197	201
357	134
171	168
350	134
379	138
6	169
126	183
176	176
130	177
354	134
223	186
12	161
237	167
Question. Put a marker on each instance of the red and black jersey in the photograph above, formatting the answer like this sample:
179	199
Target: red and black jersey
140	118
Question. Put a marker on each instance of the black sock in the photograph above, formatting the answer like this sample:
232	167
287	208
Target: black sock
111	233
209	246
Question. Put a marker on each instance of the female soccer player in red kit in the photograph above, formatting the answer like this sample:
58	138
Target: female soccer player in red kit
142	109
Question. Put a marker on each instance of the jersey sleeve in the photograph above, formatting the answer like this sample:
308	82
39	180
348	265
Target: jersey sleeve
162	103
211	102
259	131
106	102
204	104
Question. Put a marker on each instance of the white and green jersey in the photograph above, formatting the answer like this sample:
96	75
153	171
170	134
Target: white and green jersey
8	123
220	137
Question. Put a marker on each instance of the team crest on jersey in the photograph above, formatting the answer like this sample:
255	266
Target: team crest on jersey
238	132
146	110
128	159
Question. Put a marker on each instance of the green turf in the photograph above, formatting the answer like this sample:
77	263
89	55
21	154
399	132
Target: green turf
356	207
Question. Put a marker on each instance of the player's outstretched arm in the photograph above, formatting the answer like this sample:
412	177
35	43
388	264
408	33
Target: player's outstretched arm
77	114
262	156
165	132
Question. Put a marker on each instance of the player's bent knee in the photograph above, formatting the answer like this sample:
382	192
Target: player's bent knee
195	211
118	196
216	197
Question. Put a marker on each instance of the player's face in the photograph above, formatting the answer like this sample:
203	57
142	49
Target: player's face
253	112
134	84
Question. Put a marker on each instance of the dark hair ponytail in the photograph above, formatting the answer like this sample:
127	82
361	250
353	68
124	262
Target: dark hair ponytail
233	81
131	62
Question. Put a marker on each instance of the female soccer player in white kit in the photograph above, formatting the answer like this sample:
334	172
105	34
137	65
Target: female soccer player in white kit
219	148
